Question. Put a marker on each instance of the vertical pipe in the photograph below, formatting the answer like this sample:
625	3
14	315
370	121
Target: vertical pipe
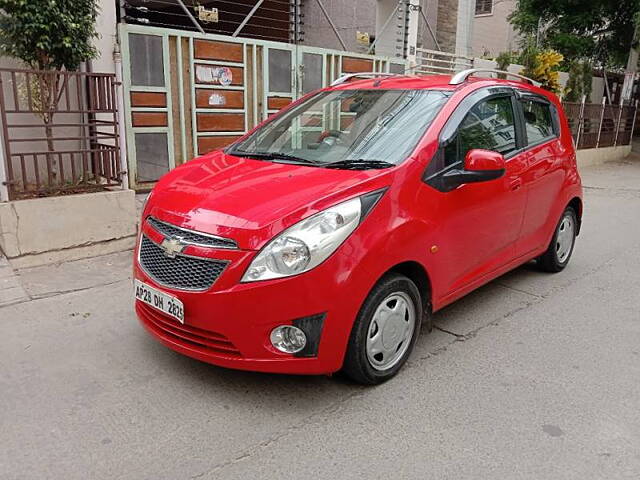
183	139
633	125
413	15
122	142
604	100
615	139
580	121
5	154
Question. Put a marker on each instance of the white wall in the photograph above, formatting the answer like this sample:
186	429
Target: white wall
107	30
464	29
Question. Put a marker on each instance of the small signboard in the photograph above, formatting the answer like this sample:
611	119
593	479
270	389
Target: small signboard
207	14
363	38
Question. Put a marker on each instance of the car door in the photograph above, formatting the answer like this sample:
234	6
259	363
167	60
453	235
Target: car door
477	224
544	174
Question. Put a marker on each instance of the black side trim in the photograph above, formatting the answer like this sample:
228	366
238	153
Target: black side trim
369	200
312	328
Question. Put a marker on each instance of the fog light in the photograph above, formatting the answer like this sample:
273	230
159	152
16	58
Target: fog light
288	339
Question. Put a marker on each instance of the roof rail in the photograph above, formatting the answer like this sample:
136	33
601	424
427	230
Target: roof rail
348	76
463	76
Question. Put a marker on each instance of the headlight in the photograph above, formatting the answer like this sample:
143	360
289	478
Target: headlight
308	243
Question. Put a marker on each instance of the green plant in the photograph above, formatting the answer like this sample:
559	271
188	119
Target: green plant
542	66
579	82
503	61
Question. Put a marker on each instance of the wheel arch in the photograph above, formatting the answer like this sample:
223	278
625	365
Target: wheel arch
576	204
416	272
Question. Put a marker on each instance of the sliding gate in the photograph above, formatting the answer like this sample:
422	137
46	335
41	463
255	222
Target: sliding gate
189	93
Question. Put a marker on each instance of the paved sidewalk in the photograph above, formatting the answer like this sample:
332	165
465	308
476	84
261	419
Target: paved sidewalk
11	290
533	376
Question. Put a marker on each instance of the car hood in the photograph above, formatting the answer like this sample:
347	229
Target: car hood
250	201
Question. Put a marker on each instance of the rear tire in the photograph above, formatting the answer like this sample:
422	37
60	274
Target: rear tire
385	331
557	256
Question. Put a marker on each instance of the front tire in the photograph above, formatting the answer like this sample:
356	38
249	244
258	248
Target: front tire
385	331
557	256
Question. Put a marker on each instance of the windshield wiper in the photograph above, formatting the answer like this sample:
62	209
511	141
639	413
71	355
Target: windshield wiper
359	164
272	156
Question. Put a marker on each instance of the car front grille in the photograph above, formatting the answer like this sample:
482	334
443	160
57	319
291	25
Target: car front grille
182	272
190	236
203	340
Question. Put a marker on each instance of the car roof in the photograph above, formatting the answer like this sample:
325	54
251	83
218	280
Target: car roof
427	82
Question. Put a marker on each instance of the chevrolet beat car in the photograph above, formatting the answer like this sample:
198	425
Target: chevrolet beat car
326	237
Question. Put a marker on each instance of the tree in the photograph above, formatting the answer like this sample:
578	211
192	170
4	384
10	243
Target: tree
48	35
601	30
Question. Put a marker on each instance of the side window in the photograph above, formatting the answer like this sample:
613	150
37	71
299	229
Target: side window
489	125
538	121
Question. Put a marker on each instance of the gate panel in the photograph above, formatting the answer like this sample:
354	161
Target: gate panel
280	77
219	93
188	93
147	99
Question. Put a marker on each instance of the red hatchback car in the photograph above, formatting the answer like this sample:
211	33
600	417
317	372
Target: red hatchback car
324	238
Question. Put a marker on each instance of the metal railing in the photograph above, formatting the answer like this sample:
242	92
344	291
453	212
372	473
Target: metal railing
434	62
60	132
597	125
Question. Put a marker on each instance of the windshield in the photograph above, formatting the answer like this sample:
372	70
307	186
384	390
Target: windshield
346	129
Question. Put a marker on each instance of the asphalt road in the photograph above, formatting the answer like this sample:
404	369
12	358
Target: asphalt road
533	376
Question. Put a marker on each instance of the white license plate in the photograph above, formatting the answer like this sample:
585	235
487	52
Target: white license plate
159	300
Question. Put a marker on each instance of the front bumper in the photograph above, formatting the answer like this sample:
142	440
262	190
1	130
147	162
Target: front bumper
229	324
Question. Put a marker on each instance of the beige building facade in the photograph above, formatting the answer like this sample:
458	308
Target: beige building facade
492	32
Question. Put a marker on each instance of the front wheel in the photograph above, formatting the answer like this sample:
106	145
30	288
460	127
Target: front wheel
385	331
561	247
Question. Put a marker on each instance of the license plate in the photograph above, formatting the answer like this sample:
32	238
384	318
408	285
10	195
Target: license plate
159	300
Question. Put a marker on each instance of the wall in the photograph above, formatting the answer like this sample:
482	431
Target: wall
348	16
107	30
386	39
430	9
464	28
493	34
85	225
447	25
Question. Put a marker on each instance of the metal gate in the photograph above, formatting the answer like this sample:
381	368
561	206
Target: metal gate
188	93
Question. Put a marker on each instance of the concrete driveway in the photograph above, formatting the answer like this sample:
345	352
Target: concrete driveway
533	376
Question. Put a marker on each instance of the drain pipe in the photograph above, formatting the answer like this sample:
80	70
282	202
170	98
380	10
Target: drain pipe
122	138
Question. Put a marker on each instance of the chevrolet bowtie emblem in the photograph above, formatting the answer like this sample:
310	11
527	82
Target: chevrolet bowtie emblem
172	246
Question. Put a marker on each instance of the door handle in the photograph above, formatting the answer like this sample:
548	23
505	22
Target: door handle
515	184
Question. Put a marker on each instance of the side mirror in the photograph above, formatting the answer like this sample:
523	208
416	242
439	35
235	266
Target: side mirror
479	166
479	160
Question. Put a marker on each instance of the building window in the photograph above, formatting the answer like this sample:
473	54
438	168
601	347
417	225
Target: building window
484	7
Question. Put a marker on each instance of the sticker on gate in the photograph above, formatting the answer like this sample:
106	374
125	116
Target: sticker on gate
216	100
211	74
